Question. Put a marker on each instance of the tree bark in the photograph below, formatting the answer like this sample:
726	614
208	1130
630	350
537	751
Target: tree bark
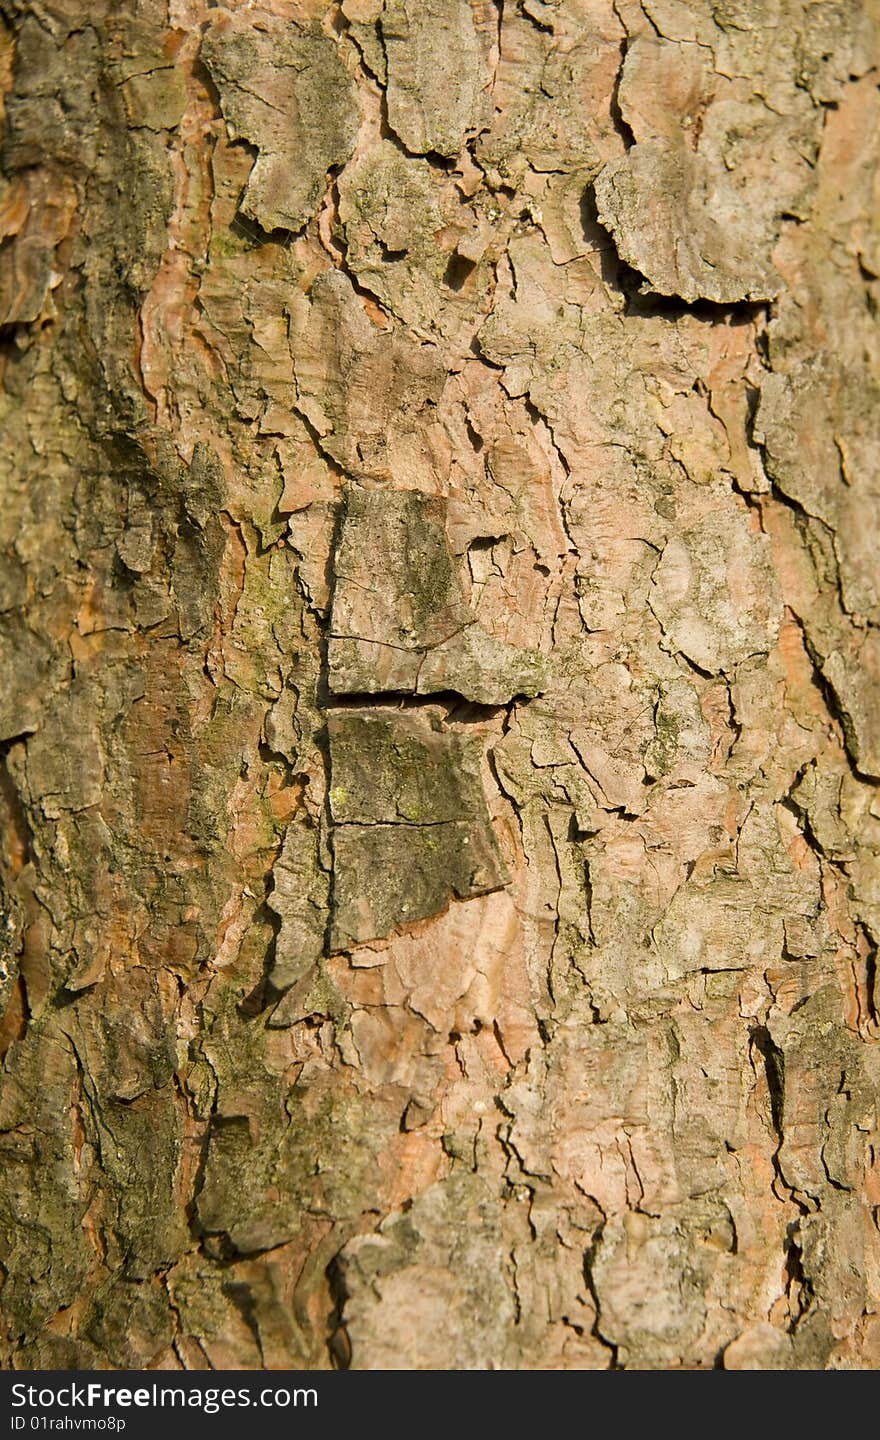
440	684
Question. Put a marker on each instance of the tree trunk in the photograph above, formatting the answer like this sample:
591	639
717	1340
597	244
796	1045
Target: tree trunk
440	685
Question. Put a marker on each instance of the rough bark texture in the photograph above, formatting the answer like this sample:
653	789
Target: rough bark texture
440	683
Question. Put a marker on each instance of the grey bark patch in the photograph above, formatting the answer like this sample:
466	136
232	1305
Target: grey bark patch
10	944
402	219
545	116
385	877
820	430
363	388
299	898
438	1278
67	777
853	680
681	227
714	594
29	674
261	1180
398	768
437	73
399	620
284	89
412	828
722	102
